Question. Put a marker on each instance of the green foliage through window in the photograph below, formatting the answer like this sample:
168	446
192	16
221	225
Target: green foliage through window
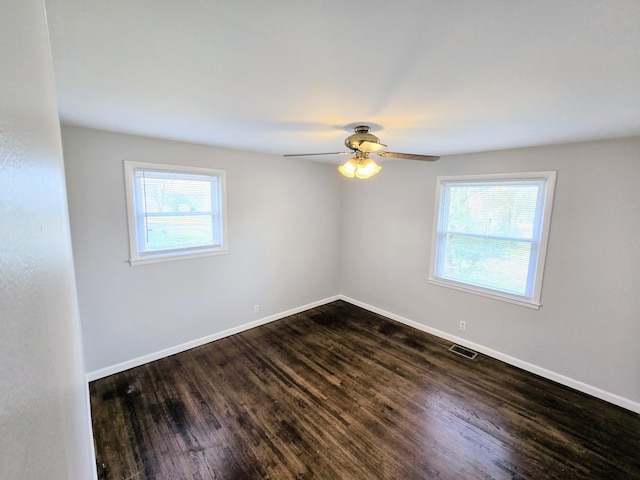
489	232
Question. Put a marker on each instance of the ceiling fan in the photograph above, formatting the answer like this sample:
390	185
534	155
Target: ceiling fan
362	143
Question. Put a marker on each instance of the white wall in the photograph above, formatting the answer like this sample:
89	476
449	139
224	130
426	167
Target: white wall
44	416
588	328
283	224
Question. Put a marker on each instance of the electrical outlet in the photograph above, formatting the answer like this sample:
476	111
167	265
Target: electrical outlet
463	325
256	309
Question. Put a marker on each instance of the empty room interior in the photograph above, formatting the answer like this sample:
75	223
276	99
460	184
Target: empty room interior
325	240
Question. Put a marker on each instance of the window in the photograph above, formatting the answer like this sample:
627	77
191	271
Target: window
174	211
491	234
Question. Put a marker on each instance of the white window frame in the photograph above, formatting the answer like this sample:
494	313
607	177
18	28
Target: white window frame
140	257
537	266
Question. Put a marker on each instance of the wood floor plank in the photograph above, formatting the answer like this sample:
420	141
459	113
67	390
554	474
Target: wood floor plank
337	392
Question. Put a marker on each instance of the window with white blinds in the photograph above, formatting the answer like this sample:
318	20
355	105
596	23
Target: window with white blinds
491	234
174	211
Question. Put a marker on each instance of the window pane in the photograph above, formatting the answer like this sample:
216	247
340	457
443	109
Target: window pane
174	211
174	195
497	209
171	232
491	234
494	264
166	201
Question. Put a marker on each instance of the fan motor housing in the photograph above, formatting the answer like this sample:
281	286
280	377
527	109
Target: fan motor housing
362	135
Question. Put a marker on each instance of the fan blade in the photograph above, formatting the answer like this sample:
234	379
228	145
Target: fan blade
314	154
408	156
370	147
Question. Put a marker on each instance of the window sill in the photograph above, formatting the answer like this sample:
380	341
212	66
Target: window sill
172	257
486	294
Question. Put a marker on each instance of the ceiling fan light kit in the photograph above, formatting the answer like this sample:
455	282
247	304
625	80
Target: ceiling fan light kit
362	143
359	167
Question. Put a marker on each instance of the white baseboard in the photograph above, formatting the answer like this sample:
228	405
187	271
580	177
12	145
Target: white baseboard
136	362
92	445
529	367
516	362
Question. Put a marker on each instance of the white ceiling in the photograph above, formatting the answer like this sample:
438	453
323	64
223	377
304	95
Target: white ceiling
284	76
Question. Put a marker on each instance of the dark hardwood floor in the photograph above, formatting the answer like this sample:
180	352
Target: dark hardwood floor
340	393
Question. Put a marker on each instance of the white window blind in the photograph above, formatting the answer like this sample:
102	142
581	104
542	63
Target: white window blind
491	234
174	211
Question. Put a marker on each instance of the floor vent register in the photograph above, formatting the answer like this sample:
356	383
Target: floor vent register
465	352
